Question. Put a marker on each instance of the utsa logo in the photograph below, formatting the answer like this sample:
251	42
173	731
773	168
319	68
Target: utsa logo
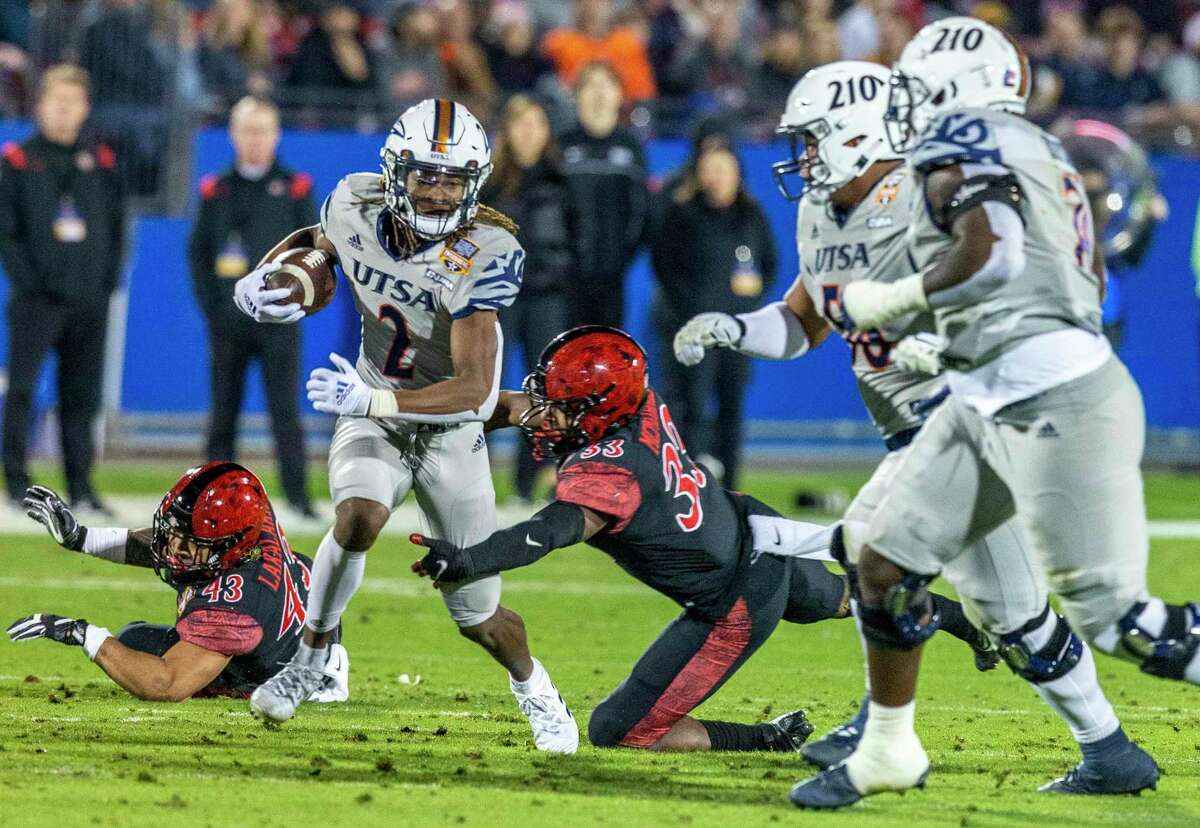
841	257
395	288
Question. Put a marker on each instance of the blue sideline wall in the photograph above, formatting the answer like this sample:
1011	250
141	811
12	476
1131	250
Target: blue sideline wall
166	354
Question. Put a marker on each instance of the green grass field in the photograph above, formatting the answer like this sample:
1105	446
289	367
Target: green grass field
453	749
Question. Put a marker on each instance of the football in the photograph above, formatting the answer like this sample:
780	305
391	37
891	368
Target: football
308	272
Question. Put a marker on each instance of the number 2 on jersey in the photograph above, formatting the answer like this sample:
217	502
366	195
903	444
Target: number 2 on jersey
399	361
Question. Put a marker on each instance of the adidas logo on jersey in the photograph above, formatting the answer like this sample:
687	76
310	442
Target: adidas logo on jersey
479	444
355	242
1047	430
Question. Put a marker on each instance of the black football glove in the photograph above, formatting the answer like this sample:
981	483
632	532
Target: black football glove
444	562
48	509
55	627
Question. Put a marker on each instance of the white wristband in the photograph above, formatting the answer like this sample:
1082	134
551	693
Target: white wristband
93	638
107	543
382	404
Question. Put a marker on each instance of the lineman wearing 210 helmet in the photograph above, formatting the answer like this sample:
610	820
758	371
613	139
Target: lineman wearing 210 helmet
429	267
1041	419
851	228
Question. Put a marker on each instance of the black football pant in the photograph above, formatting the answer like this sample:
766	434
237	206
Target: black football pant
277	348
598	300
694	656
38	325
720	381
528	327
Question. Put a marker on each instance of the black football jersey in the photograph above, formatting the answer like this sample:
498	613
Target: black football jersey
672	525
253	613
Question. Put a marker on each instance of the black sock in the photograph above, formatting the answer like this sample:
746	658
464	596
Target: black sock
953	619
732	736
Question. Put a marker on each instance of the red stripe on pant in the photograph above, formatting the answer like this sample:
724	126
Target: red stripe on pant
724	644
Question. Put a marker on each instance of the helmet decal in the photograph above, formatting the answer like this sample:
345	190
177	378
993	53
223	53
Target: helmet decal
443	126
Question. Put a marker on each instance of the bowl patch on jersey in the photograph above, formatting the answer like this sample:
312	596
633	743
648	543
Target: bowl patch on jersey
458	255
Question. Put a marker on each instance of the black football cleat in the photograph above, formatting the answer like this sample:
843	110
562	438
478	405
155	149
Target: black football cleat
986	654
832	788
794	728
835	746
1130	771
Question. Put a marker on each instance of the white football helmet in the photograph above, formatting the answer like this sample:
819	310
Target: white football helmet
435	139
834	125
955	63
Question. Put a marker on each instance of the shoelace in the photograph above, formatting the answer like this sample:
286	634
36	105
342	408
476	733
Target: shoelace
846	731
536	710
296	682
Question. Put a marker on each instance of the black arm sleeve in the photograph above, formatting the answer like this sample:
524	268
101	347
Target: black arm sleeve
555	526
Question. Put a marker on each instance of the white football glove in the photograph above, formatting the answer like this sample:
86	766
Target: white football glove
920	353
704	331
338	392
256	300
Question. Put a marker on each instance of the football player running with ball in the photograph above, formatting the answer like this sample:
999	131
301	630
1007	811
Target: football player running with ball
628	487
1042	420
241	591
429	267
851	230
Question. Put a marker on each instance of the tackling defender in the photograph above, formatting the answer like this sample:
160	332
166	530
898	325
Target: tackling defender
1042	420
851	228
429	267
628	487
241	589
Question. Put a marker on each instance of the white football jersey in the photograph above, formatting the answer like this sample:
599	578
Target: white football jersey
407	304
867	244
1057	289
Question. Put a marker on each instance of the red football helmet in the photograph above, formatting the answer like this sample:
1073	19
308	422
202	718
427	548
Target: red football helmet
208	523
595	374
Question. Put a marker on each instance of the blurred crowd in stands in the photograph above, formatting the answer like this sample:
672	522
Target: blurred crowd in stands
358	63
571	90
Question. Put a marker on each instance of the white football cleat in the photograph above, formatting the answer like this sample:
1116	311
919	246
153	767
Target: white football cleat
337	677
553	724
276	700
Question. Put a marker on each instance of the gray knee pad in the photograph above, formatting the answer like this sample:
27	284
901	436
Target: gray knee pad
908	617
1061	653
1168	654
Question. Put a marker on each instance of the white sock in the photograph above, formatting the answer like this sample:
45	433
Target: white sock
314	657
1151	619
1079	701
336	575
890	756
536	679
